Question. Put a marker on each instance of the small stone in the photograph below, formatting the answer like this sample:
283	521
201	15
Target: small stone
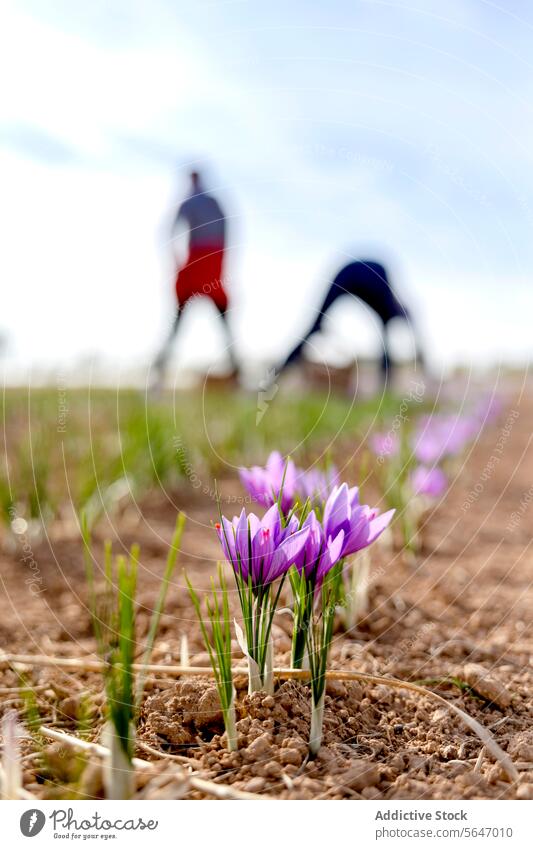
209	710
326	756
486	685
268	702
354	690
290	756
259	748
440	714
521	746
240	682
470	779
449	752
455	767
201	659
312	786
494	774
417	762
92	782
370	793
525	791
525	752
361	774
255	785
70	707
397	762
335	688
272	769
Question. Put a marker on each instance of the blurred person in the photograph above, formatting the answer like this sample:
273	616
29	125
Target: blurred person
201	275
367	281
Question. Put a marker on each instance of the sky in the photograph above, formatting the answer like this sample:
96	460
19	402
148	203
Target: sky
397	130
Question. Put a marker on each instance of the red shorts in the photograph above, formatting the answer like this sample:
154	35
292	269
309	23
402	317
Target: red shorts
202	276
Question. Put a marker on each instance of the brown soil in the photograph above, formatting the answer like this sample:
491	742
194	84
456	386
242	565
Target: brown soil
458	619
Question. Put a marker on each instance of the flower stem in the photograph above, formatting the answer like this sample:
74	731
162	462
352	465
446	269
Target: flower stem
357	594
268	676
119	775
317	719
230	726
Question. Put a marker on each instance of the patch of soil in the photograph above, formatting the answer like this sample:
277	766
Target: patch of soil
458	619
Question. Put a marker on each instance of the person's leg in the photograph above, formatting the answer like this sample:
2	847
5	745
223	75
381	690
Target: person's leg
223	313
386	364
161	360
333	293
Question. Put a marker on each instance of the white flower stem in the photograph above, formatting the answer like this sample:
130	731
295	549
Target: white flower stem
119	776
11	766
230	725
269	668
357	595
254	679
317	719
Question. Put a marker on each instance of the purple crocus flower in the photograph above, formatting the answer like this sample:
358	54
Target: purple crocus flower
431	482
264	484
442	436
261	548
320	553
361	525
385	444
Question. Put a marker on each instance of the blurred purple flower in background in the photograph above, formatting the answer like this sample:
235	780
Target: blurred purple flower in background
264	484
488	409
385	444
430	482
315	484
440	436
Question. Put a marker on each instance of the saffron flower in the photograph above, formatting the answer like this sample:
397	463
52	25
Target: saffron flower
320	555
320	552
361	524
442	436
266	484
429	482
261	550
282	481
315	484
385	444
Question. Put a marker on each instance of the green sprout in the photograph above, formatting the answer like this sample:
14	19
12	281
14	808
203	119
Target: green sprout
319	636
113	612
218	645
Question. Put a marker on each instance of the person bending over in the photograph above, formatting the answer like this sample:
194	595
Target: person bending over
367	281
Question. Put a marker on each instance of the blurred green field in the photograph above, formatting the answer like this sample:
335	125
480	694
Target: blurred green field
82	447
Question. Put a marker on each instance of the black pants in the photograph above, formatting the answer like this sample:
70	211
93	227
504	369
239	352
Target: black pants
368	282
